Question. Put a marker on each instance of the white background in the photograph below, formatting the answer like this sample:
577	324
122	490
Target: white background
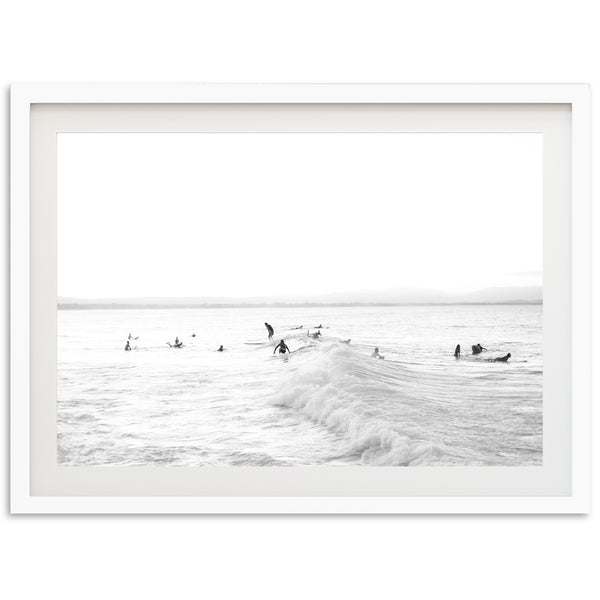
296	214
298	557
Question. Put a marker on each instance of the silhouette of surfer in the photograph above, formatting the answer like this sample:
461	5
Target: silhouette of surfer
270	330
503	358
376	354
457	351
127	346
282	347
478	349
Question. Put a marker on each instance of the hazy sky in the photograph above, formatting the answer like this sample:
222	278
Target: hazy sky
261	214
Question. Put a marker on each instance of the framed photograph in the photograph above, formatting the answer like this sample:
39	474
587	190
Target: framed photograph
300	298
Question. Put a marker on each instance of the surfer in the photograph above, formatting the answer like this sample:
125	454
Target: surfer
478	349
130	337
270	330
457	351
346	341
319	327
315	336
193	335
376	354
127	346
221	348
503	358
282	348
177	343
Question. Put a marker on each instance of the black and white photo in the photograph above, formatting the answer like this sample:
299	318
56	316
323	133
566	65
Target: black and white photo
300	299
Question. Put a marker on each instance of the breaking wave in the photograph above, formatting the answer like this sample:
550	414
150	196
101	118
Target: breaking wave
372	405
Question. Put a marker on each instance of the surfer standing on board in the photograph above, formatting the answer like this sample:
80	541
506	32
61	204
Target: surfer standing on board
270	330
282	348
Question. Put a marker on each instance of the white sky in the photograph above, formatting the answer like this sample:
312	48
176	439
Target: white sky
260	214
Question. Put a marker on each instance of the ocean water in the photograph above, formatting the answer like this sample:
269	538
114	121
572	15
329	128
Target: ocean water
328	403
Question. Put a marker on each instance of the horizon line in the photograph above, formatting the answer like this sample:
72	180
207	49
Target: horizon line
117	305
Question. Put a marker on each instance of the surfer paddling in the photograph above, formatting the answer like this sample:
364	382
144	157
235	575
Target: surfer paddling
503	358
282	347
270	330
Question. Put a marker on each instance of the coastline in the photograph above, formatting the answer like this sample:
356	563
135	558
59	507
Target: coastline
138	306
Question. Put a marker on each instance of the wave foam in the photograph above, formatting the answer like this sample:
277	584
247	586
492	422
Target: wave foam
360	399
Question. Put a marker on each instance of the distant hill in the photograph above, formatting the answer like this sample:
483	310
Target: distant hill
404	296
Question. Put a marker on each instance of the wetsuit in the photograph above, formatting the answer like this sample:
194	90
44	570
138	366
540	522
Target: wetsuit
282	348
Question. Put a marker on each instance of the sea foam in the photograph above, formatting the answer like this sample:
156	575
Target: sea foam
354	396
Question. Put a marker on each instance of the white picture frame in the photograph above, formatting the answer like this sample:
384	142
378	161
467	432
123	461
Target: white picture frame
28	427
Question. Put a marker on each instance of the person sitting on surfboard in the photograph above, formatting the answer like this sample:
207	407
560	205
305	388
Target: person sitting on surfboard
457	351
376	354
177	343
478	349
270	330
282	348
221	348
503	358
127	346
